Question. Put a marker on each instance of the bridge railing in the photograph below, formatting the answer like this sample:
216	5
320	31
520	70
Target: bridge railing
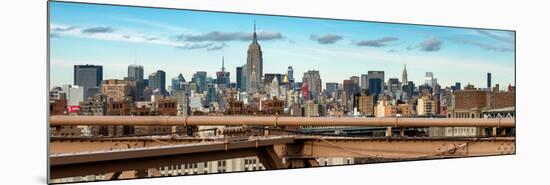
395	122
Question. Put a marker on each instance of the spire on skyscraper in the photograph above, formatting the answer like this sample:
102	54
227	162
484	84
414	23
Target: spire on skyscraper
254	37
223	64
404	77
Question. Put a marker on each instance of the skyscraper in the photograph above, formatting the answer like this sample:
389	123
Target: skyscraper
393	84
376	86
456	87
404	79
157	80
177	83
244	80
425	89
364	81
200	79
305	90
239	77
88	77
222	77
274	90
377	78
290	74
408	90
254	64
135	72
429	79
268	77
332	89
349	88
313	80
489	81
211	95
357	81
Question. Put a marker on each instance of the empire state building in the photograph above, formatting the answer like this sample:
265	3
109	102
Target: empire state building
254	65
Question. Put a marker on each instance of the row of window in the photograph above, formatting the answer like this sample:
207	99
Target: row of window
249	161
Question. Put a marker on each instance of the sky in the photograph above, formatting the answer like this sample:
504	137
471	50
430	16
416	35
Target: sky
184	41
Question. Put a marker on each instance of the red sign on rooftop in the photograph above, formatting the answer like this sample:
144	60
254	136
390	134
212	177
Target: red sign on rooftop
73	109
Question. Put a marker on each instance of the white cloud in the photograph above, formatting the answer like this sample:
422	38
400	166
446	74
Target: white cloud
123	36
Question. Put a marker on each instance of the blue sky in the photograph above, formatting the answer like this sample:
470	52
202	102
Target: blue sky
181	41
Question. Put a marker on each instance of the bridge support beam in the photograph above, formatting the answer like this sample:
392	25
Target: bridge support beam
65	165
301	162
269	158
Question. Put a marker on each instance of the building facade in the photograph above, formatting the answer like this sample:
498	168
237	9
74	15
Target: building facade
88	75
135	72
254	65
313	80
157	80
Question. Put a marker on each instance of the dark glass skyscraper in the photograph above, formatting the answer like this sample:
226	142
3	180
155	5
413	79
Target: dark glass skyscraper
200	79
378	78
375	86
239	76
222	77
177	83
408	89
135	72
456	87
290	73
332	89
88	75
393	86
489	81
157	80
211	95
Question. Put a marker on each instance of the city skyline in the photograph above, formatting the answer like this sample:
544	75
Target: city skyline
280	92
177	41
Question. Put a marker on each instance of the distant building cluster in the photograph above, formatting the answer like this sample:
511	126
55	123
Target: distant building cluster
256	93
372	94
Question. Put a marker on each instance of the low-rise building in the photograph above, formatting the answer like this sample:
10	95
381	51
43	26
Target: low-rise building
272	106
311	109
425	106
366	104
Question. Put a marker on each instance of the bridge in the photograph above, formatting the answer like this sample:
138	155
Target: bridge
277	147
